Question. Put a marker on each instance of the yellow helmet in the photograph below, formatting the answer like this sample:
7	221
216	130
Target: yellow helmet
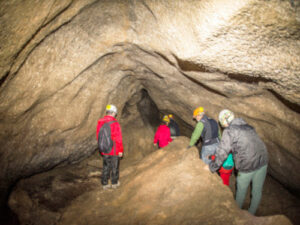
198	111
170	115
166	119
111	108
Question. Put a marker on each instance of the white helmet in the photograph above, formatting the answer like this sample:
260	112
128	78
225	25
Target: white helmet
225	117
111	108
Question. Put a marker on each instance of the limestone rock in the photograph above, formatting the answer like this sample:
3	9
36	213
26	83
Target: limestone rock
169	186
74	57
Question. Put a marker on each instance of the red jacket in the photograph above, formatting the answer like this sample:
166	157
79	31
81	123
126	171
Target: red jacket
162	136
116	134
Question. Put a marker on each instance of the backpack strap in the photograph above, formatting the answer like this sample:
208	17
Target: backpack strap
109	123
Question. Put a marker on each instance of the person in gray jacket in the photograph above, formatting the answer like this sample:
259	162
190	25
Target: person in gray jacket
250	157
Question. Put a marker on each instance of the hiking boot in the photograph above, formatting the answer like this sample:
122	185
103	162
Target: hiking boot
105	187
114	186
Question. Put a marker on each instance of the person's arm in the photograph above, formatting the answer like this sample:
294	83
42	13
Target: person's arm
196	133
169	136
116	135
156	136
118	139
177	129
222	151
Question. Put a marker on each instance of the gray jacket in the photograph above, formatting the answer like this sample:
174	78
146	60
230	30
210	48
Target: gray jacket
248	150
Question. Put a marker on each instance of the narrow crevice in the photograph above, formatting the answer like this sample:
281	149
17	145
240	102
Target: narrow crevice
150	70
204	86
149	9
292	106
3	79
187	66
246	78
165	58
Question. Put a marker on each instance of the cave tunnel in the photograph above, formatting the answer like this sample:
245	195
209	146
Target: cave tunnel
62	62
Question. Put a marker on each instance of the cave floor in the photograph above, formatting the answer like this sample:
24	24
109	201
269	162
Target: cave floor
275	200
54	190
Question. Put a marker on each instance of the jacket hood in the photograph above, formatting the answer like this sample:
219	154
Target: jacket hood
108	118
238	121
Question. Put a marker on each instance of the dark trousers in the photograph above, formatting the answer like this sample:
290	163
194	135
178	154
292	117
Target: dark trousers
110	169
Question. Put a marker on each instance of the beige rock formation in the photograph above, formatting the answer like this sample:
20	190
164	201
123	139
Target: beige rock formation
62	61
169	186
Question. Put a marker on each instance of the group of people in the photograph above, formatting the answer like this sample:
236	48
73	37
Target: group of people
239	146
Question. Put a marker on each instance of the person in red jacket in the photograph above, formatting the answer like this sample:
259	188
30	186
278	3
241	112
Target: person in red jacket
111	160
162	136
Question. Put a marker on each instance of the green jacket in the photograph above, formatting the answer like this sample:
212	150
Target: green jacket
197	133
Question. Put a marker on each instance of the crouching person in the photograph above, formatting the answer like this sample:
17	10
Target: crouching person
162	135
250	157
226	169
110	144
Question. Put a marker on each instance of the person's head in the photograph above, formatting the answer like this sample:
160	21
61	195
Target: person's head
166	120
170	116
111	110
225	117
198	113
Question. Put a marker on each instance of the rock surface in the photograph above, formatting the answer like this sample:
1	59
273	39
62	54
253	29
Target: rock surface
62	61
169	186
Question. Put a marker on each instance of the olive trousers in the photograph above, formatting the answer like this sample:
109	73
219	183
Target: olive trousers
257	178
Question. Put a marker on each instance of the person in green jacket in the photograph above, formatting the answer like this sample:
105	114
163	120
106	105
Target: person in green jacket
208	129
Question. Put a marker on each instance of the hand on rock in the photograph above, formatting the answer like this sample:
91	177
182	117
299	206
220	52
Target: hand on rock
206	167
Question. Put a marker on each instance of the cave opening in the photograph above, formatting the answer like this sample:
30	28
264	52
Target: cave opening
140	118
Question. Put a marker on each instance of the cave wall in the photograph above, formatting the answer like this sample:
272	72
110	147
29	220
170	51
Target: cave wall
62	62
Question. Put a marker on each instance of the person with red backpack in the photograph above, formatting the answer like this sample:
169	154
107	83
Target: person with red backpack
109	130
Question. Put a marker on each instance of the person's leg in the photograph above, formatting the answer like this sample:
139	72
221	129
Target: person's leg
105	170
115	170
257	186
208	150
204	154
243	180
225	177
